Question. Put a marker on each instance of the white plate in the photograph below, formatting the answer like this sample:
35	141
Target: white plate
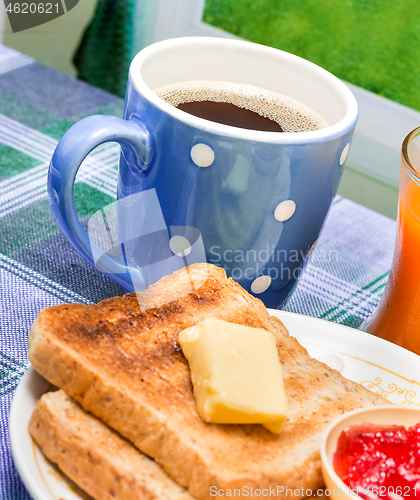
380	366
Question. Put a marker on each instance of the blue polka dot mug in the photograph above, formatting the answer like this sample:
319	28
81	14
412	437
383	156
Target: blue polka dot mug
191	189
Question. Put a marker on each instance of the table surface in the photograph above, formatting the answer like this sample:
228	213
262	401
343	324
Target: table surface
342	281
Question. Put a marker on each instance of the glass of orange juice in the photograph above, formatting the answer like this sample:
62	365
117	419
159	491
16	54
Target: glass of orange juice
397	317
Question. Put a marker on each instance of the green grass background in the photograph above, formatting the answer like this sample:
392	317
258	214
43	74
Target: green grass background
372	43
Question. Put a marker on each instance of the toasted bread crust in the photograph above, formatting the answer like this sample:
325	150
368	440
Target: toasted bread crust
122	362
94	456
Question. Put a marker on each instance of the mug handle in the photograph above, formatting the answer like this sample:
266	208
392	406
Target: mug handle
137	145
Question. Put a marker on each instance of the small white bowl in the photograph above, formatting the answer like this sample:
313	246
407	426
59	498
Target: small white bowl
382	415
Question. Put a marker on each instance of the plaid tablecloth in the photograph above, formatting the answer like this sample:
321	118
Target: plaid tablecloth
38	268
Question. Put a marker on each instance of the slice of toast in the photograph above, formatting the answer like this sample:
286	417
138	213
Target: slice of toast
94	456
97	458
122	362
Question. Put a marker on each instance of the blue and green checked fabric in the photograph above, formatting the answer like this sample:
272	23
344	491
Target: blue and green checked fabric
38	268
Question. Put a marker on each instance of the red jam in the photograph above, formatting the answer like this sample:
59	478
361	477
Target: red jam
380	462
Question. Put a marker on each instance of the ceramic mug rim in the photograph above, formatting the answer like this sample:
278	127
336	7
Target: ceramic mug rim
328	133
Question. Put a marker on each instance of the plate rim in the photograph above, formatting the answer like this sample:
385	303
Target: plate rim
345	330
19	458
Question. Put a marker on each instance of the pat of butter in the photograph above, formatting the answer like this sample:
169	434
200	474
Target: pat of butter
236	374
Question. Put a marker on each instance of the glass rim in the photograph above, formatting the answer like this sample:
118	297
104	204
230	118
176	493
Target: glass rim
411	171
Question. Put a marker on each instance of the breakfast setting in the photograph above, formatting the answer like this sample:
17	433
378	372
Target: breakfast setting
209	276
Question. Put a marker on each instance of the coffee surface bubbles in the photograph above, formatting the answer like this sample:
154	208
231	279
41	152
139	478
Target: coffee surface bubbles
242	105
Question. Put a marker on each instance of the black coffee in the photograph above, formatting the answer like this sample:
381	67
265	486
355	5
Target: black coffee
241	105
229	114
